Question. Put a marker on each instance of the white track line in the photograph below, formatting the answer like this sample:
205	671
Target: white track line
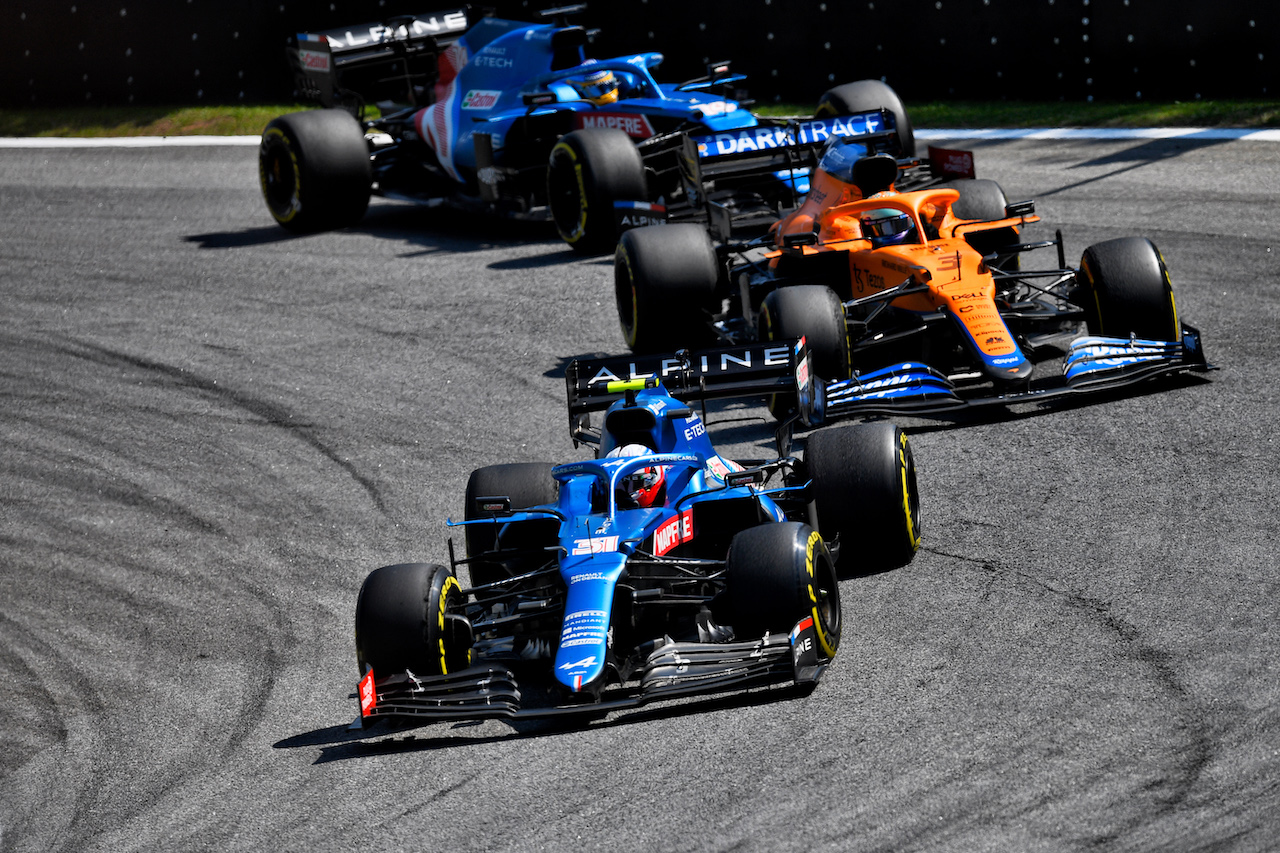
1209	133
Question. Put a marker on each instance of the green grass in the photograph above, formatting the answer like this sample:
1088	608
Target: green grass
141	121
250	120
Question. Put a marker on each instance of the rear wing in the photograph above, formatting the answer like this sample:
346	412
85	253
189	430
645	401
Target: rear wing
785	149
771	368
368	63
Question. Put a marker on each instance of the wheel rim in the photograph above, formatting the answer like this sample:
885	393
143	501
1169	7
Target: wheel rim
279	179
566	194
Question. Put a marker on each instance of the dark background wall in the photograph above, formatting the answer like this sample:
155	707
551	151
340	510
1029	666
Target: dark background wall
228	51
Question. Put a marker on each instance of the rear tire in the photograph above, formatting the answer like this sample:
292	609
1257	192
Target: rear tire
865	493
864	95
778	574
665	278
401	621
314	170
1126	290
588	171
526	484
984	200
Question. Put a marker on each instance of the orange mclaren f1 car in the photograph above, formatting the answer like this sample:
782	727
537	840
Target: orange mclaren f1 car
910	302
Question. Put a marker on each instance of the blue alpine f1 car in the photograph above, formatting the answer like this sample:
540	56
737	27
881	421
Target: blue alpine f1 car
514	118
657	569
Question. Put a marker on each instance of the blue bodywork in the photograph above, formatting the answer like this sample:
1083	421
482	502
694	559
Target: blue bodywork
1091	364
598	532
512	60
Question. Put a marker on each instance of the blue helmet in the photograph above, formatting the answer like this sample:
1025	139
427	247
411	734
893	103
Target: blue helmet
887	226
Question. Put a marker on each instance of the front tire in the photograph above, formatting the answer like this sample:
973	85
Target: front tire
1126	290
865	95
588	171
665	277
865	494
778	574
314	170
405	620
814	312
526	484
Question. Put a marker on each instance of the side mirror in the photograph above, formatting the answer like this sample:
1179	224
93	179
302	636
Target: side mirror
800	238
497	505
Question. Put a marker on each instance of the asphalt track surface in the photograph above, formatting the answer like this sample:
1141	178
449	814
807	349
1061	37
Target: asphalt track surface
212	432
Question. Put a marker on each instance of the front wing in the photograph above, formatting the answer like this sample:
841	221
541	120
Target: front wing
1091	365
671	671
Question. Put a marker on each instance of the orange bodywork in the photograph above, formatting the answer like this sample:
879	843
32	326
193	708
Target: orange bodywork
957	280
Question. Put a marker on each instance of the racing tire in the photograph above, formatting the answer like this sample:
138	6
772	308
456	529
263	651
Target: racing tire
983	200
779	573
526	484
587	172
1127	291
864	95
665	279
314	170
814	312
405	619
865	495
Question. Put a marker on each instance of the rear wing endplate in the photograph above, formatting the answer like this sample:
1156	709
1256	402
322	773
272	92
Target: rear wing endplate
377	59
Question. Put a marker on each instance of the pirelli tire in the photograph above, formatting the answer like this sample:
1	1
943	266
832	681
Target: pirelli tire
863	480
314	170
406	619
814	312
1127	291
526	484
864	95
777	575
588	171
985	200
666	277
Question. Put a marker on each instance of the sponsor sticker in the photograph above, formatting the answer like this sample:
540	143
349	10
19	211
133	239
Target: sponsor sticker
673	532
368	694
314	60
480	99
598	545
952	162
806	132
635	126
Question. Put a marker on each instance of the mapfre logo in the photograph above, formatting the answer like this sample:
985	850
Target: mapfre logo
673	532
480	99
635	126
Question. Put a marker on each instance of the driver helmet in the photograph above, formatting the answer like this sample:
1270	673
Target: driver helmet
644	487
838	157
886	226
600	87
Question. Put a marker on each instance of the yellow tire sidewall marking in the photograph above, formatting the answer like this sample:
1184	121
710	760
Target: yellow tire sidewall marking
819	627
295	206
912	533
450	585
581	228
